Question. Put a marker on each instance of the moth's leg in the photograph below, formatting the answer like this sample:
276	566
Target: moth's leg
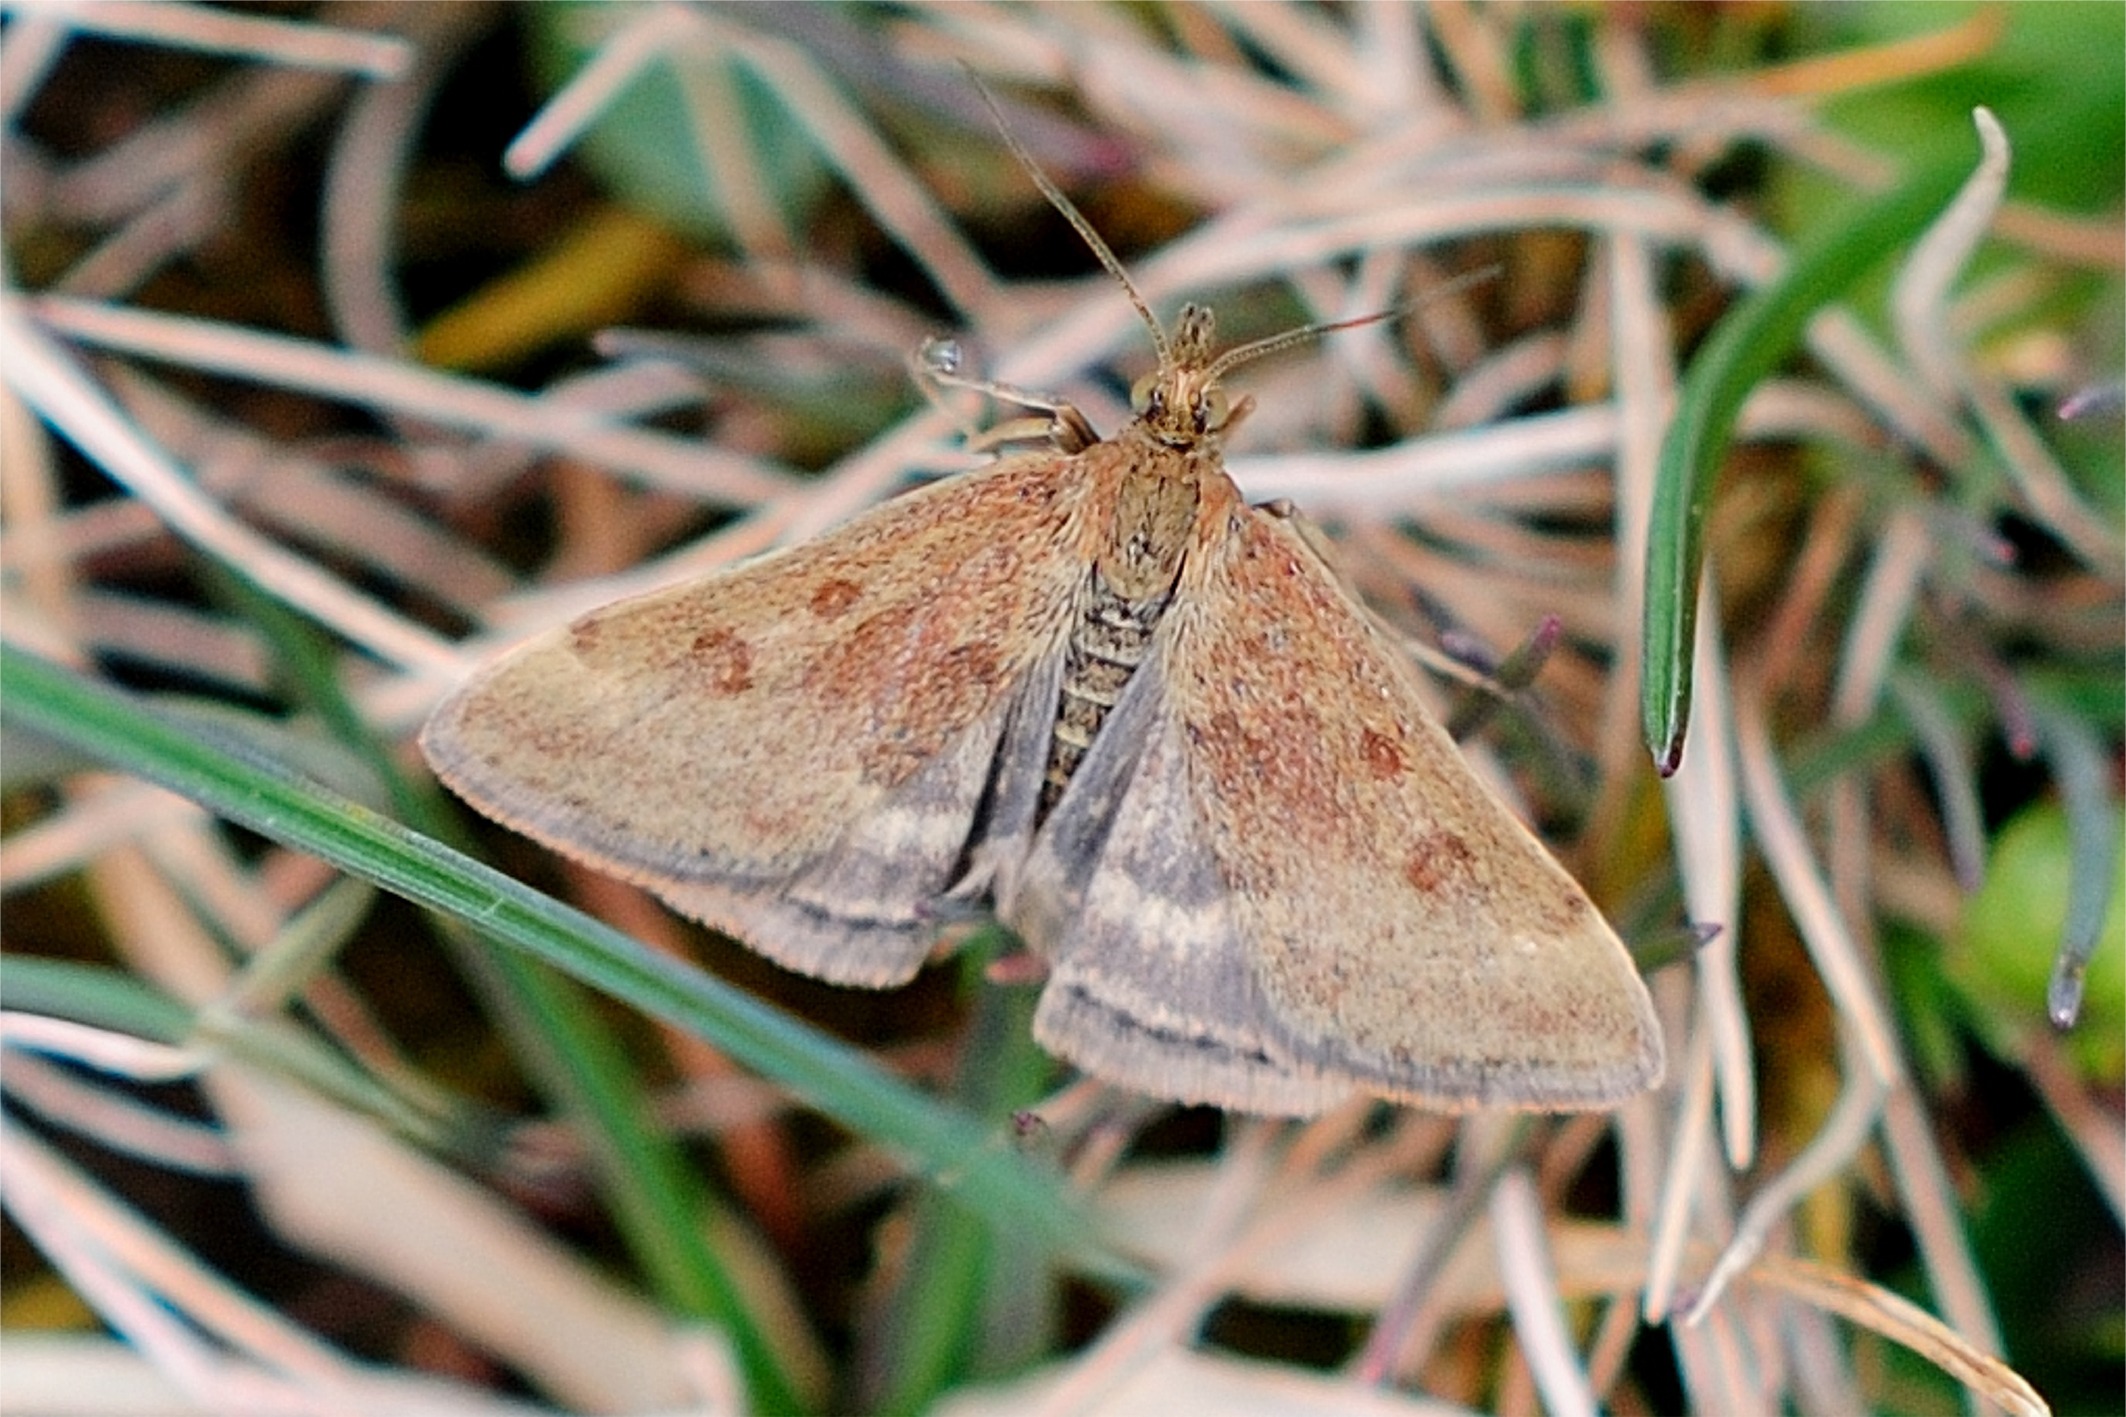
936	366
1503	681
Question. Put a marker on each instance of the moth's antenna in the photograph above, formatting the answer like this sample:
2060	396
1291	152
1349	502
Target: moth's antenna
1270	344
1076	218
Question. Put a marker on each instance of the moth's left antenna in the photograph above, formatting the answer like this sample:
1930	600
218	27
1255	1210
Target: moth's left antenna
1075	217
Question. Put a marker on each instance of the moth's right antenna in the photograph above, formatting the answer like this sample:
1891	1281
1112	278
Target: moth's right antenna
1076	218
1271	344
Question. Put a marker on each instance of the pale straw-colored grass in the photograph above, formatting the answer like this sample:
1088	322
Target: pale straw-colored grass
1389	151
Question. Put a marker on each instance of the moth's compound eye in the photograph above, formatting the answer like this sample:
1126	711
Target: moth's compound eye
1144	394
1212	410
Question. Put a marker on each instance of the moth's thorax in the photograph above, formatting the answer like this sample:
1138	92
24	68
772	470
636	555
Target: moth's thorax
1153	512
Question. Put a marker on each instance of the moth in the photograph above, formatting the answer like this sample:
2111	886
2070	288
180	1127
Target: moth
1090	687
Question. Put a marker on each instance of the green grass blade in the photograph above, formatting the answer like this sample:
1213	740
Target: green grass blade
2083	770
1745	347
92	994
119	1003
948	1293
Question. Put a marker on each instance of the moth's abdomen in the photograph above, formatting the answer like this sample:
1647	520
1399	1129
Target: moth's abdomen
1107	643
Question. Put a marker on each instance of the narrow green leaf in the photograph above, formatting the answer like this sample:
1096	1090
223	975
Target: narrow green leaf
94	995
2081	765
107	999
936	1323
1746	346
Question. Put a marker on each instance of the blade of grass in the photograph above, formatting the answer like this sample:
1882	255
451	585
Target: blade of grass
2082	768
1746	346
94	995
104	998
934	1321
959	1154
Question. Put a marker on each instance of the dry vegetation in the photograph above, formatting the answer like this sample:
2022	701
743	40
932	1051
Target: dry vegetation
339	352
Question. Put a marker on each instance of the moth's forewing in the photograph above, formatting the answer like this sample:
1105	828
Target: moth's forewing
1406	931
797	750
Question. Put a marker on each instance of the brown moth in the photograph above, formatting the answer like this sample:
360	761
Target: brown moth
1094	688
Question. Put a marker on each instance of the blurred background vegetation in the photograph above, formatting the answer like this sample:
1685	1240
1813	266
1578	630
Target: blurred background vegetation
346	343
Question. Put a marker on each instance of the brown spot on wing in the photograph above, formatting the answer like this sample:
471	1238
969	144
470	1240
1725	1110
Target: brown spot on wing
725	662
1441	861
833	597
1383	756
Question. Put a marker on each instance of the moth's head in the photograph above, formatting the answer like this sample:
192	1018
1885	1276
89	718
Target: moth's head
1183	402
